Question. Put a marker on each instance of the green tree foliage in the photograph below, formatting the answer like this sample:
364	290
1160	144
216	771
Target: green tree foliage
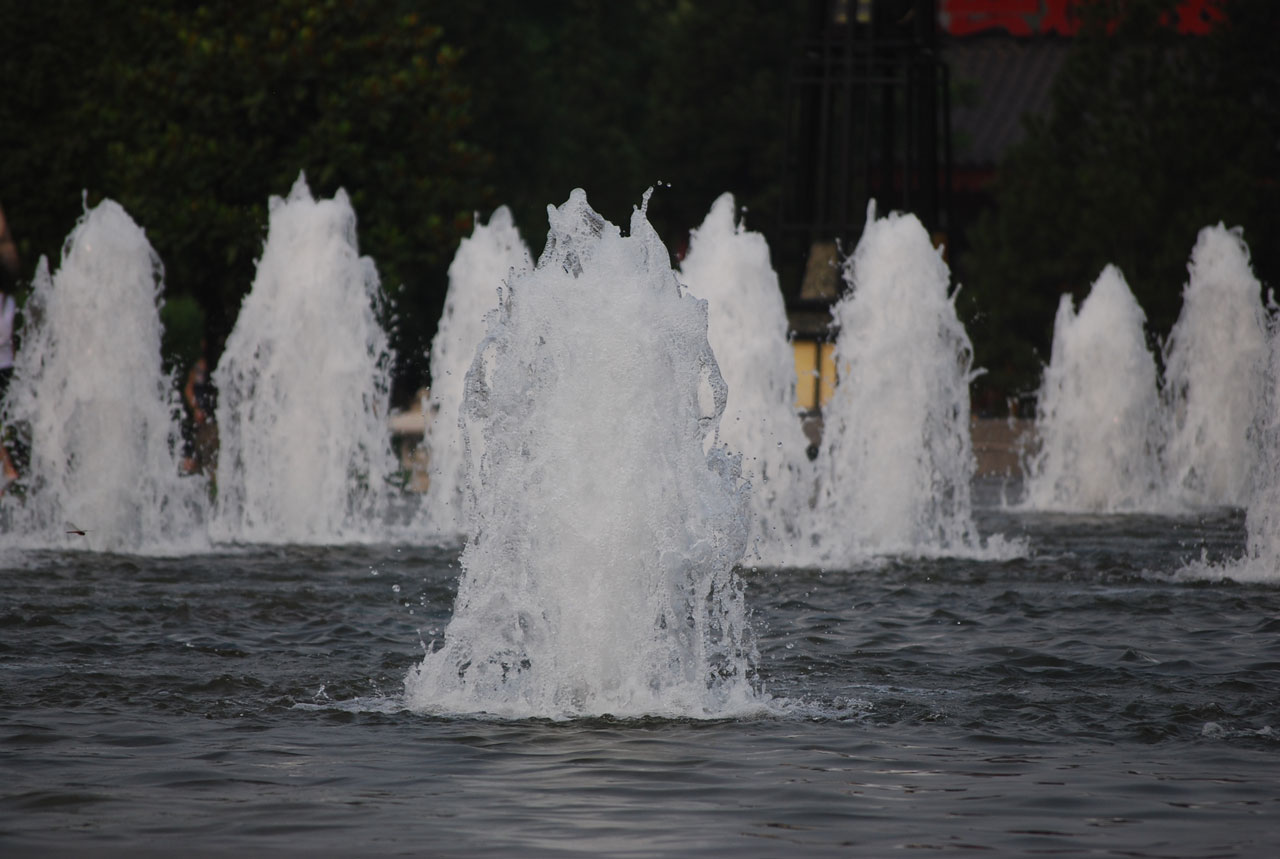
192	115
564	108
1152	136
48	57
716	109
618	97
184	325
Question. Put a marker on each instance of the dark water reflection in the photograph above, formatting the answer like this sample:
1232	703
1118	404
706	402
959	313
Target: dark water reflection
1085	700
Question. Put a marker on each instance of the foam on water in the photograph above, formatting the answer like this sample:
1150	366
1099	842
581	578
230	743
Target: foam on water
729	267
1099	422
896	459
100	414
598	577
1215	374
303	387
490	257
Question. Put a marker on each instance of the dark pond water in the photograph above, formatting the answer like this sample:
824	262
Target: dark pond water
1085	700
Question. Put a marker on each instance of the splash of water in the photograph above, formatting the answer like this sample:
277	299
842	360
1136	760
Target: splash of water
729	267
598	577
101	414
1226	256
1215	374
896	459
1099	421
1262	521
303	386
492	255
1261	560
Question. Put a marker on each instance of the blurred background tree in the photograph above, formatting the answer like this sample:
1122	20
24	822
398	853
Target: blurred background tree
192	113
616	98
1152	136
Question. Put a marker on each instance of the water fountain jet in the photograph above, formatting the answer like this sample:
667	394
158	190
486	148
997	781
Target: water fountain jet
598	577
490	257
1099	423
304	384
100	414
1215	368
896	459
729	267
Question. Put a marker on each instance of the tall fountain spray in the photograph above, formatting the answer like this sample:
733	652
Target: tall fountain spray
598	577
729	267
1262	521
303	387
1099	419
100	414
1215	374
896	459
492	256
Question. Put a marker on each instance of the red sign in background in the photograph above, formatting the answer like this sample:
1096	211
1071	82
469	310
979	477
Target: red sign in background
1044	17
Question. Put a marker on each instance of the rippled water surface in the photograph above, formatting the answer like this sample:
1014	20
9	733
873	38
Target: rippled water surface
1086	700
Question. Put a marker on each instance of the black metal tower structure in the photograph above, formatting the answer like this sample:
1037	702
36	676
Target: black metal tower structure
868	120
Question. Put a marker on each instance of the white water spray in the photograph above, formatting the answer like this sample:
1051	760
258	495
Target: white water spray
303	387
598	578
729	267
896	458
1215	374
101	416
1261	561
484	262
1098	420
1262	522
